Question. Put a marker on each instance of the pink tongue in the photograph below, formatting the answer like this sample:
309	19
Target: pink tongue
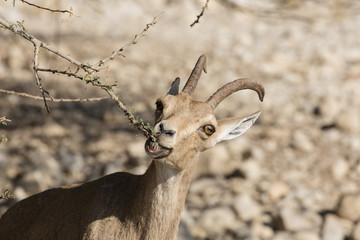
152	149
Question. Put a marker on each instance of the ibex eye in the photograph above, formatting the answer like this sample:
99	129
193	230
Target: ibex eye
209	130
159	106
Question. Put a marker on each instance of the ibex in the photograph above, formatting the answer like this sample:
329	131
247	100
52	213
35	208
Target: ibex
127	206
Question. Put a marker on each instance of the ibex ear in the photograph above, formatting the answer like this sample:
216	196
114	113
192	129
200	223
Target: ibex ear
174	89
233	127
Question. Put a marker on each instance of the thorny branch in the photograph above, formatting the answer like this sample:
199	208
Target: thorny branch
138	123
88	69
51	99
201	13
36	74
48	9
129	44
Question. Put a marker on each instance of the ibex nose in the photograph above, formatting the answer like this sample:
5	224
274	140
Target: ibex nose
162	129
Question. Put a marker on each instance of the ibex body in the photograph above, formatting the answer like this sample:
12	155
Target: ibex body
126	206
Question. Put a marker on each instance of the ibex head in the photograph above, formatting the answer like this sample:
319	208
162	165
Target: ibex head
185	127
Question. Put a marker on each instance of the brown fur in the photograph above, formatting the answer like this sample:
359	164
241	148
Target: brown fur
117	206
126	206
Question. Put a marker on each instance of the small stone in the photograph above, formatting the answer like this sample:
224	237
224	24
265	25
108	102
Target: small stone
349	120
332	229
73	163
329	108
261	231
302	141
35	181
20	193
217	220
214	161
356	232
136	150
184	226
294	219
282	236
340	168
252	170
247	208
349	207
208	190
54	130
306	236
277	190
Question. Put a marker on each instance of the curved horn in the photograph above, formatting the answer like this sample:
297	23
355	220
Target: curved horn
237	85
195	75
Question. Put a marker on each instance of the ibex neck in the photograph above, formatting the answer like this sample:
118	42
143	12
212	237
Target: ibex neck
165	190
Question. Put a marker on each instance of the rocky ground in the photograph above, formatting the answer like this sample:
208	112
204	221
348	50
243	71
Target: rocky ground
293	175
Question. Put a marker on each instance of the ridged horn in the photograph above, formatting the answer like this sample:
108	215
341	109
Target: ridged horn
195	75
237	85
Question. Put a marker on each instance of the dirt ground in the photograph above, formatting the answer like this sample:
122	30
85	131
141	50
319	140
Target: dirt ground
289	177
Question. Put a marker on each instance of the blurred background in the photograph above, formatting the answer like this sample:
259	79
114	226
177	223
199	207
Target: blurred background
293	175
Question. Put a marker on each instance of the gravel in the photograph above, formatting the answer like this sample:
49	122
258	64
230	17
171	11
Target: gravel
293	175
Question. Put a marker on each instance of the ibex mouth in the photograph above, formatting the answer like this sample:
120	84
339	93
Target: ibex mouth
156	150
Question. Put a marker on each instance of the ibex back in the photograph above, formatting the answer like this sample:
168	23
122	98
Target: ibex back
127	206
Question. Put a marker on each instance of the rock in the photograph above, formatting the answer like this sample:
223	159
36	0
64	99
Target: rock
35	181
332	229
277	190
218	220
329	108
356	232
72	163
52	129
17	58
215	161
184	226
136	150
339	169
306	236
247	208
261	231
291	218
252	170
20	193
282	236
208	190
349	120
349	207
302	141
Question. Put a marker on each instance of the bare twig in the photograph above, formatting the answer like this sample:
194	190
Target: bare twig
48	9
36	74
52	99
129	44
139	124
19	30
201	13
88	78
64	72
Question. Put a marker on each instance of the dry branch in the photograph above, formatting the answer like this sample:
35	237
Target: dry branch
88	70
201	13
129	44
51	99
36	74
48	9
